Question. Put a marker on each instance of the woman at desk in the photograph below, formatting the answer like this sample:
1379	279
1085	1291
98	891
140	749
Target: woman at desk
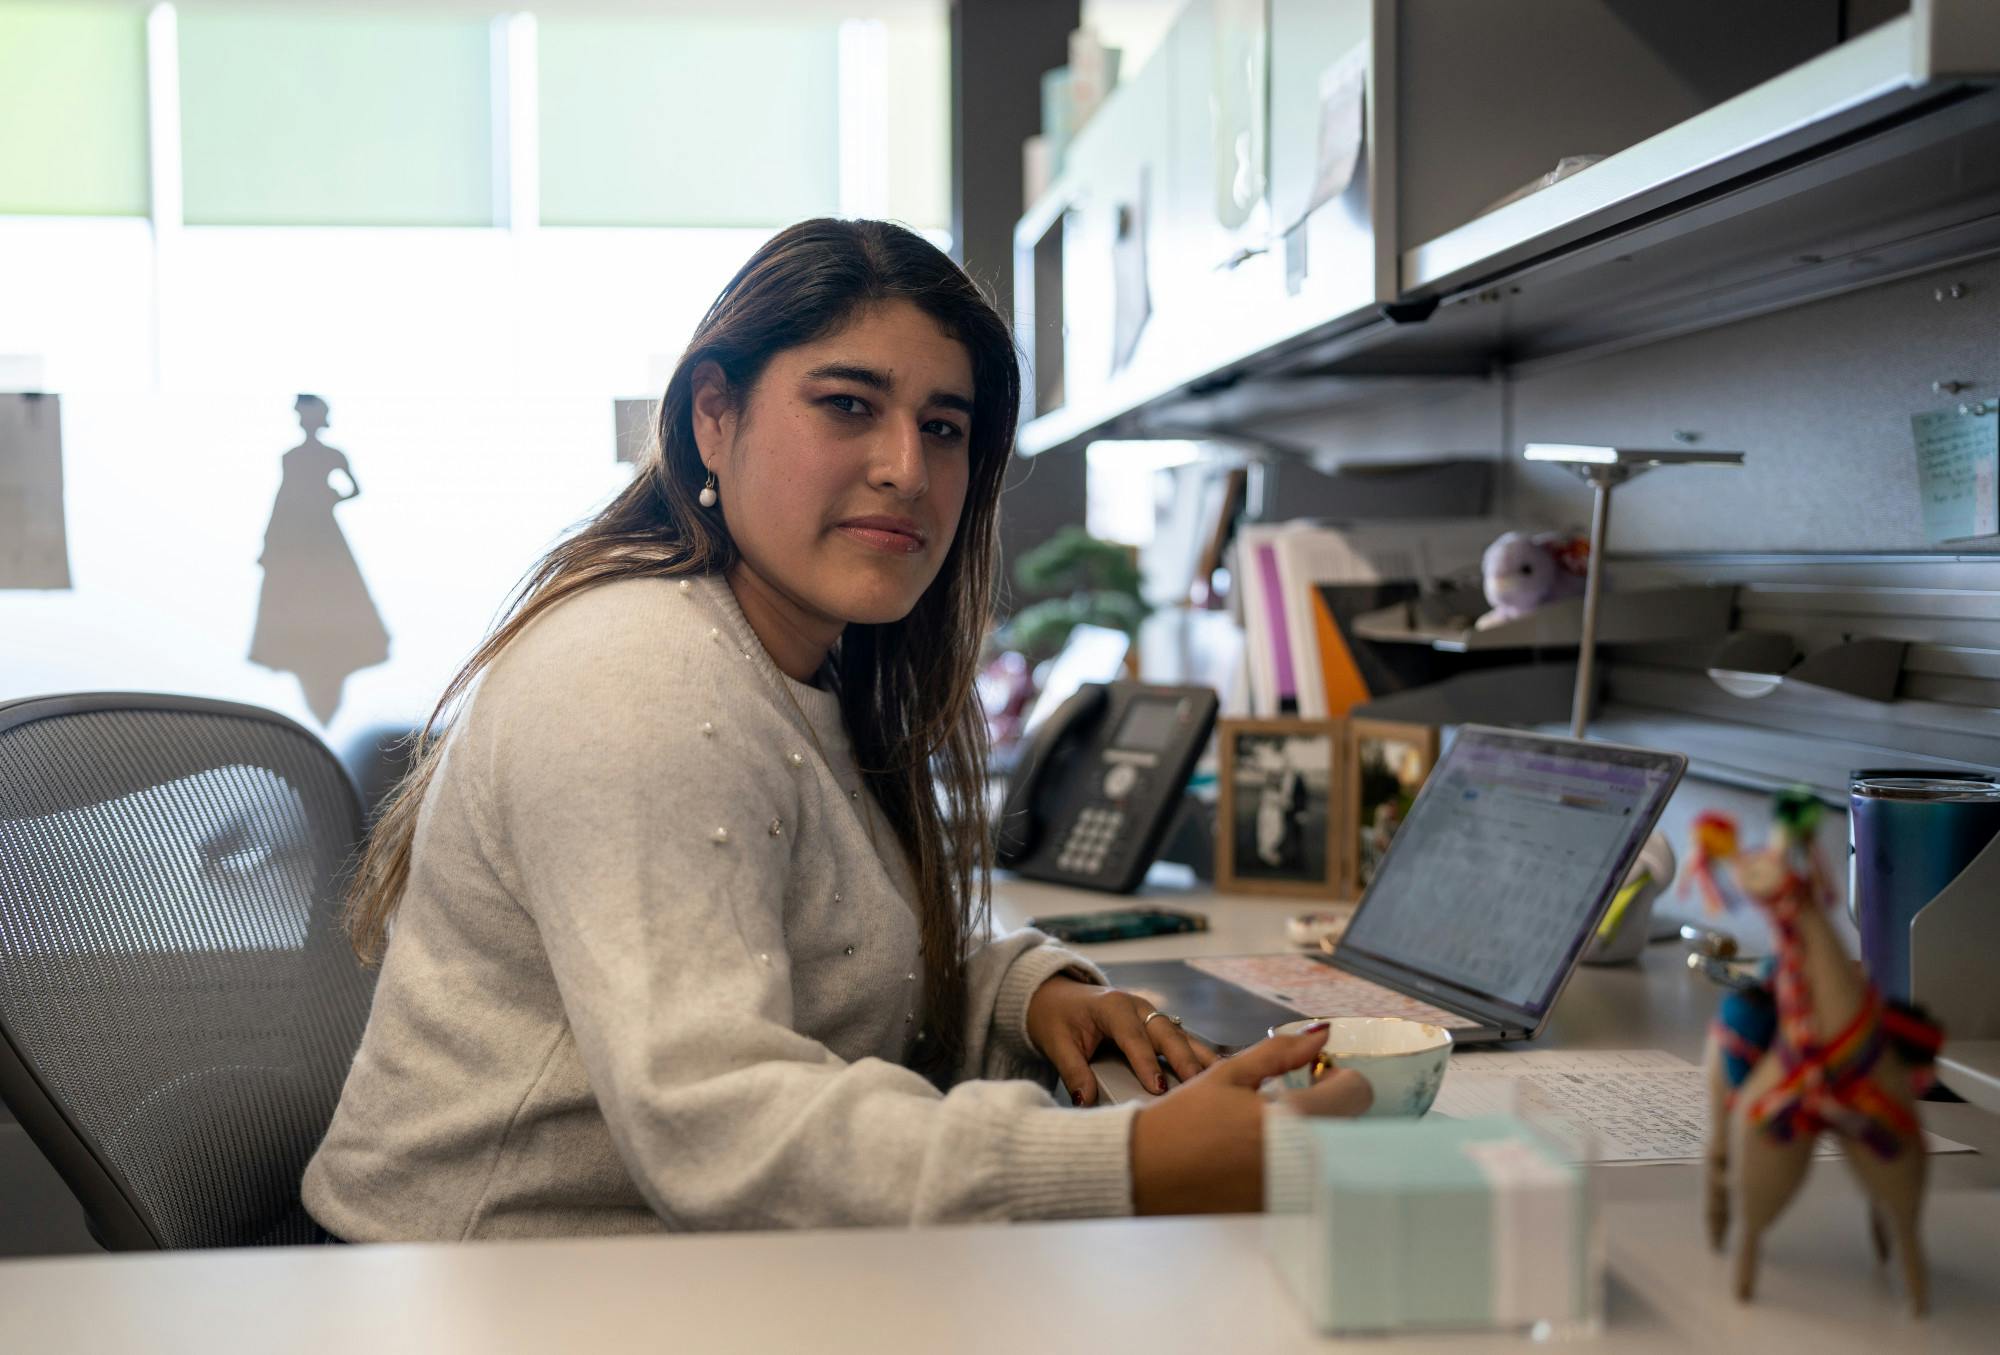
688	901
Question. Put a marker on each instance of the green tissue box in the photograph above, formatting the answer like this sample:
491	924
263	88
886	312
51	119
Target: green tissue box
1431	1223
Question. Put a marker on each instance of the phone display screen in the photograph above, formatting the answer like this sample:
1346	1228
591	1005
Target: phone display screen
1149	726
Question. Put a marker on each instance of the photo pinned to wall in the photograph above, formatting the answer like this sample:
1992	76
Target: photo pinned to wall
315	616
1343	103
1279	826
1387	764
34	544
1240	114
1338	136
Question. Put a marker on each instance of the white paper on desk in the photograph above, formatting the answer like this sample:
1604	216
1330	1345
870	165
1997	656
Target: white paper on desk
1640	1105
34	550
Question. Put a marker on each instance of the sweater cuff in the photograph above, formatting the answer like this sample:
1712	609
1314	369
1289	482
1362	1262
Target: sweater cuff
1069	1164
1287	1161
1031	969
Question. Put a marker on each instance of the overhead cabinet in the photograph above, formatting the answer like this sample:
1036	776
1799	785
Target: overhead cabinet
1670	166
1162	252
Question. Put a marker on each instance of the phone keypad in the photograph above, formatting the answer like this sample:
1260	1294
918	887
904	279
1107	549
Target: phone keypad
1089	841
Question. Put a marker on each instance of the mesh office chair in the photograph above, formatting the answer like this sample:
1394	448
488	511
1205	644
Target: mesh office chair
178	1004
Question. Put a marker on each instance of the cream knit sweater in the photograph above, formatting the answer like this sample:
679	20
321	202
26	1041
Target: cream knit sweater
649	972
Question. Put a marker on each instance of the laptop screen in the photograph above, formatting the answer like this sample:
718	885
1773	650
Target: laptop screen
1507	860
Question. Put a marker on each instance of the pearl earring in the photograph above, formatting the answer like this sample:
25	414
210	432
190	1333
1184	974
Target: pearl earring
708	494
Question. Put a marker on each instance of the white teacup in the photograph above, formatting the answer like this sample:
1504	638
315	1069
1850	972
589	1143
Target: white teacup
1402	1060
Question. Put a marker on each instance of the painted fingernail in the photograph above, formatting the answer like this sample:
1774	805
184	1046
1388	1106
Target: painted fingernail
1159	1085
1316	1027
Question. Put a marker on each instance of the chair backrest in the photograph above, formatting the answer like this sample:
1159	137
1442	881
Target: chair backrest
178	1003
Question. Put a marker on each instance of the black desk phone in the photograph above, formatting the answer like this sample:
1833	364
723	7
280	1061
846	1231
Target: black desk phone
1092	798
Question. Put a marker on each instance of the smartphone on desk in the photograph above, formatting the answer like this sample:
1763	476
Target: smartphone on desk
1124	925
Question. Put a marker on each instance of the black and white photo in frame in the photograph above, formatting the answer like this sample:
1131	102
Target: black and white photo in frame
1278	828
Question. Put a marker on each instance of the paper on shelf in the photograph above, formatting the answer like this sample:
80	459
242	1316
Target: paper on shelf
1643	1105
1343	89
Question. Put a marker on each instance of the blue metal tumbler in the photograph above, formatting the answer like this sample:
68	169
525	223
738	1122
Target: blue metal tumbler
1909	834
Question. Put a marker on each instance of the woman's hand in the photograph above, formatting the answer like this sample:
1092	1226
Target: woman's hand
1068	1020
1200	1150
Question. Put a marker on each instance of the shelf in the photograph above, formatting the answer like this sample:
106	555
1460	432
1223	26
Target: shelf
1753	757
1637	616
1972	1069
1864	80
1524	695
1230	406
1877	159
1916	192
1224	399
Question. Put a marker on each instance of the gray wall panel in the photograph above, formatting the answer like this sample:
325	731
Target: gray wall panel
1819	397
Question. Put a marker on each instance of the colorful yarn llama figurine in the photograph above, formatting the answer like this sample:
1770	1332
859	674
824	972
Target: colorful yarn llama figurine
1812	1049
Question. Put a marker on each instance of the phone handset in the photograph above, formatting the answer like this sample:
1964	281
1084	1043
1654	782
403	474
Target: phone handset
1023	818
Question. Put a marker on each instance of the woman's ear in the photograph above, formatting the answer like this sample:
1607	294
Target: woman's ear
712	411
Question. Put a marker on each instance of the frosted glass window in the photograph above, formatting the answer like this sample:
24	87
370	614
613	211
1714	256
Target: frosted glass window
919	71
169	496
73	109
688	122
360	119
76	306
607	312
384	311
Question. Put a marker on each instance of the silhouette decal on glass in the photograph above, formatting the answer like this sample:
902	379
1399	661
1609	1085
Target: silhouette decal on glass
314	617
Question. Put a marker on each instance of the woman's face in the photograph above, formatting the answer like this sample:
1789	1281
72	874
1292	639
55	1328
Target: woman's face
843	474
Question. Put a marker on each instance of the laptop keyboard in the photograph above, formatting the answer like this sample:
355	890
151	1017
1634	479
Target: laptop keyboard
1305	985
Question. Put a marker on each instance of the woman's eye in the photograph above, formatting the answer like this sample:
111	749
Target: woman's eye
846	404
944	428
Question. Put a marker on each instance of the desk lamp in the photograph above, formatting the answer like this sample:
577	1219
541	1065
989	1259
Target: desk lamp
1604	469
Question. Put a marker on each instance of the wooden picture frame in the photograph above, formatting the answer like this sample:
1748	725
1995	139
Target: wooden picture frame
1280	820
1404	752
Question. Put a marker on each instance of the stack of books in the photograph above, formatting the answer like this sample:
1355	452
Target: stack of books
1301	584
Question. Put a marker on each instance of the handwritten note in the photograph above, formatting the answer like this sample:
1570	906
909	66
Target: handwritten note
1607	1105
1958	473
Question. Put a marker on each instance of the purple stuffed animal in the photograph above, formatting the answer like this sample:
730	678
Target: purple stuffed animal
1522	572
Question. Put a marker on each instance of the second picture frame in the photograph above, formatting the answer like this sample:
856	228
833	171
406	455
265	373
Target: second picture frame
1386	765
1281	820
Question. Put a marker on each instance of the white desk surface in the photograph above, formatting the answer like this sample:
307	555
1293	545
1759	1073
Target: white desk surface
1151	1285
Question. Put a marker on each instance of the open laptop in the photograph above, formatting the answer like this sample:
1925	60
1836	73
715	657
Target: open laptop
1483	903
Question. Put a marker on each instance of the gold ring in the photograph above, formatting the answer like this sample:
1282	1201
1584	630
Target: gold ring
1148	1021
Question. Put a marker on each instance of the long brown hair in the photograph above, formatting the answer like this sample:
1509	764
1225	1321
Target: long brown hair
906	687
